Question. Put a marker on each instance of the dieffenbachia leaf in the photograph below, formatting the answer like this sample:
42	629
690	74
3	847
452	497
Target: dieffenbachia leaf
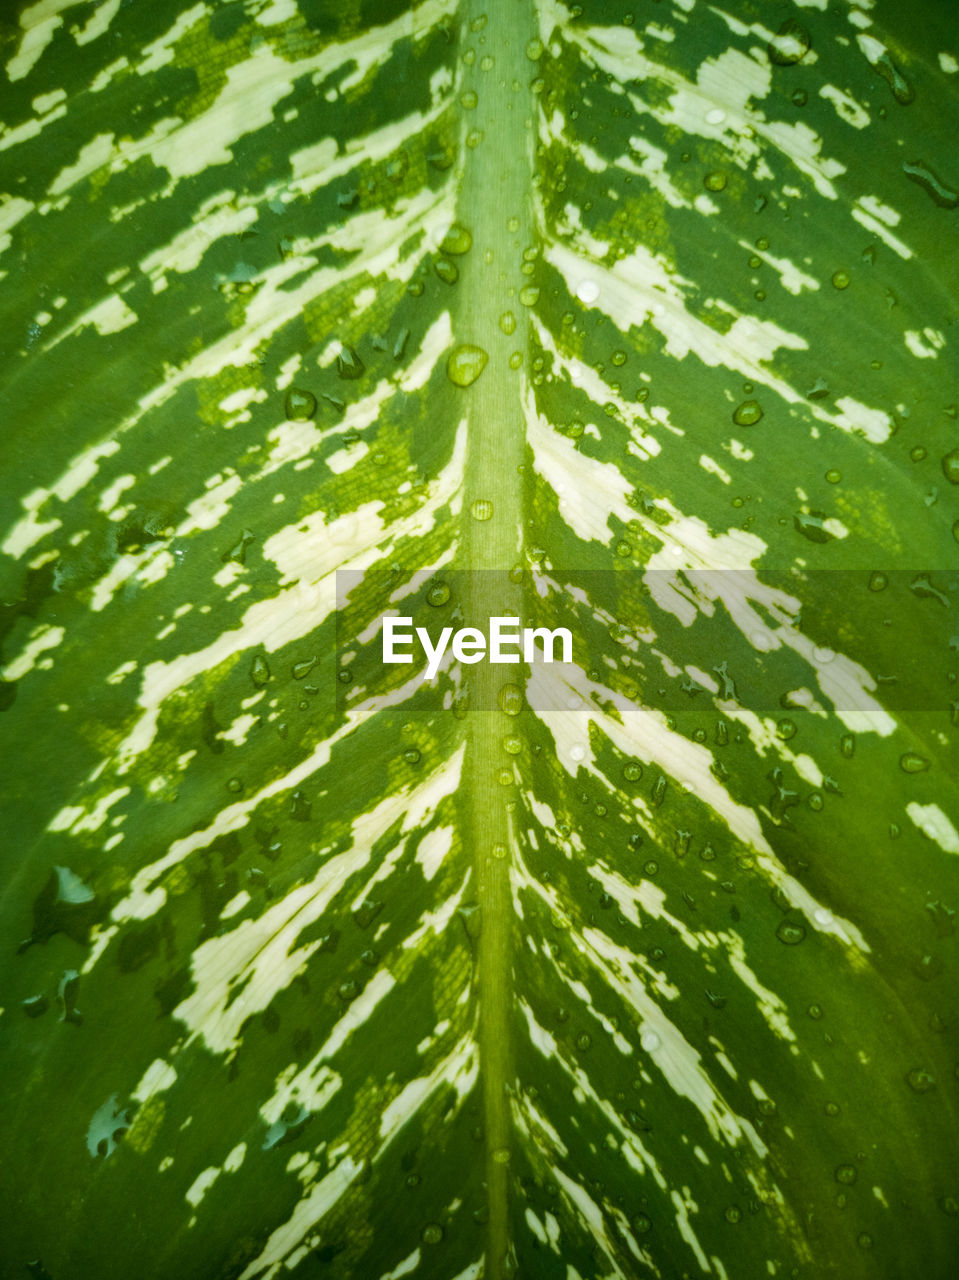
636	323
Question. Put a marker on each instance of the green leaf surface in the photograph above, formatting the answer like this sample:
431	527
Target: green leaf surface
639	323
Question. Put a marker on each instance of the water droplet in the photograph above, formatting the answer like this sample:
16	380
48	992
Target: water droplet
512	745
584	1040
259	671
438	594
715	115
641	1224
235	785
847	745
510	699
841	279
632	771
919	172
465	364
902	90
300	807
913	763
864	1240
481	509
432	1233
747	414
349	366
789	45
507	322
649	1040
833	476
577	753
846	1174
587	291
790	933
300	405
920	1081
810	525
733	1214
35	1006
529	295
950	466
878	581
411	755
469	99
786	729
499	852
534	50
715	181
457	240
300	670
447	271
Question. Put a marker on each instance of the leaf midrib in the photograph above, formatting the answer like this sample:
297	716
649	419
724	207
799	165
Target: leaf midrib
494	196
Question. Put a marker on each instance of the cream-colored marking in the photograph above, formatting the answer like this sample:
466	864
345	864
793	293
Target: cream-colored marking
791	277
158	1076
712	466
42	639
99	22
845	105
932	822
235	905
433	848
458	1070
925	345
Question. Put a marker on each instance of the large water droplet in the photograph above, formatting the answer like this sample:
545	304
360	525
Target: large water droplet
950	466
747	414
349	365
481	509
920	173
465	364
810	525
920	1081
791	933
510	699
789	45
259	671
902	90
447	271
300	405
457	240
507	322
913	763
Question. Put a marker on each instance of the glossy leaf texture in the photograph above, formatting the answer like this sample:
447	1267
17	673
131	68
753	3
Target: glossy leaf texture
639	323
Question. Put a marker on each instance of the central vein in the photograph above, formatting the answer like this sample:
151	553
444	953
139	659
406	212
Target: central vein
494	204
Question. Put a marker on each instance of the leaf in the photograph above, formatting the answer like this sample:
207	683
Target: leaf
638	324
